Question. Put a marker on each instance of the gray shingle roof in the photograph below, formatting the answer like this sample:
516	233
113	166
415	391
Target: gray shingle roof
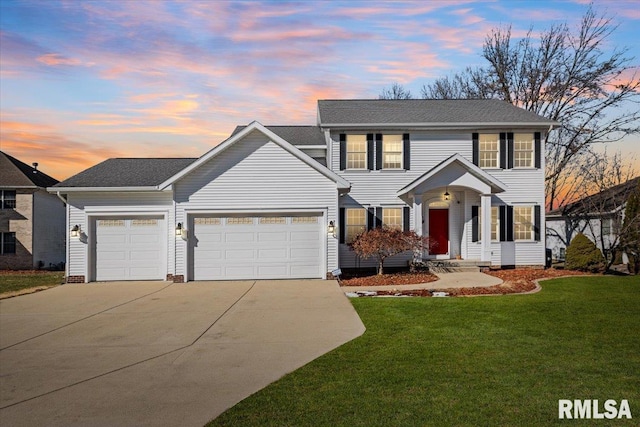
424	112
14	173
128	173
296	135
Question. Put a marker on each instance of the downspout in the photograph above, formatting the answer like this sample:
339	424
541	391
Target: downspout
61	198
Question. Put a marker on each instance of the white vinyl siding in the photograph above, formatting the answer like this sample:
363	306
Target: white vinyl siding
356	151
257	176
489	151
392	151
523	150
356	223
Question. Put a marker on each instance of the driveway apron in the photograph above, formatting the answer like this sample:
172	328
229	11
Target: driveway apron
154	353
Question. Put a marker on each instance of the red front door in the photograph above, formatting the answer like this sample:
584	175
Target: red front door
439	230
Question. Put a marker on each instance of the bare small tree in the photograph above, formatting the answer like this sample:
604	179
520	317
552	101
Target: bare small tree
395	91
563	75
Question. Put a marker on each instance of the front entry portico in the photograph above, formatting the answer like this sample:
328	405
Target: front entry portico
455	196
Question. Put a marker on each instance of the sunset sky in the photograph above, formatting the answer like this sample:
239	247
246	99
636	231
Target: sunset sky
83	81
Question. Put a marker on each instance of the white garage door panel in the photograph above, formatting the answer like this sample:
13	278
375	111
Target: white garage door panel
257	247
130	248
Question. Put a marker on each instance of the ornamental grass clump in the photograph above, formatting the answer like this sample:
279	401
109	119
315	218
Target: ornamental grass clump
583	255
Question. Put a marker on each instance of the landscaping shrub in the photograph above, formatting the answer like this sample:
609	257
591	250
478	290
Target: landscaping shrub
583	255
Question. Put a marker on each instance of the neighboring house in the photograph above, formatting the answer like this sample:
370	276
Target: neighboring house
599	216
32	221
285	201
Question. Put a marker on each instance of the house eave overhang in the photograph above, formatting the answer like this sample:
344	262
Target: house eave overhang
341	183
495	185
443	126
66	190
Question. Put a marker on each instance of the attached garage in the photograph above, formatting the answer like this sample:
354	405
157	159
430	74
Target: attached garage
129	248
254	246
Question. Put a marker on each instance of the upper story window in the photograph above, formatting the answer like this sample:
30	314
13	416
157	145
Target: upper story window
392	217
392	151
523	222
356	223
489	150
7	199
7	243
523	150
356	152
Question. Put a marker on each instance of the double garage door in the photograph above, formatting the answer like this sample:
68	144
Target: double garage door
234	247
130	248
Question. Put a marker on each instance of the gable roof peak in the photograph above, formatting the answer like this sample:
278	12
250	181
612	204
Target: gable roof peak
15	173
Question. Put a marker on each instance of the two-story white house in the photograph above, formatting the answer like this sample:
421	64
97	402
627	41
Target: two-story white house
285	201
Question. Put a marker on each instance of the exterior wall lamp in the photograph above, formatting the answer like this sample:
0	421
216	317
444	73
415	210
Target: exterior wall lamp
179	229
75	231
331	229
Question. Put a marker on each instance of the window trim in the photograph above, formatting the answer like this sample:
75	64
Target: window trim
400	216
495	216
347	152
3	199
497	151
531	230
347	238
3	242
532	151
400	153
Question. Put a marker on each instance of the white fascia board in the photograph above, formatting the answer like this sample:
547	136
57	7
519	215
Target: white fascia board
342	183
442	126
473	169
311	147
21	187
65	190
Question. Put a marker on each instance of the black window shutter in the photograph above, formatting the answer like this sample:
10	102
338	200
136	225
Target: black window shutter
370	151
510	150
538	149
342	226
343	151
536	223
378	217
378	151
476	149
371	218
503	223
503	150
406	151
509	223
405	218
474	223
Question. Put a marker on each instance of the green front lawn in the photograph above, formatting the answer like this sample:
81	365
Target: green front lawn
17	281
469	361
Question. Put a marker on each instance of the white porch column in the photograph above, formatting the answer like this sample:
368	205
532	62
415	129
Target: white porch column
417	221
485	226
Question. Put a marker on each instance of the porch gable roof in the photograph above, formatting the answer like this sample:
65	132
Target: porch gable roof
495	185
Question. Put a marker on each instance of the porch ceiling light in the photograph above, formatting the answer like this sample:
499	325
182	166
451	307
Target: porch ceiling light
75	231
447	196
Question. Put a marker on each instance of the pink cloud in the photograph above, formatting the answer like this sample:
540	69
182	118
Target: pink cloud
54	59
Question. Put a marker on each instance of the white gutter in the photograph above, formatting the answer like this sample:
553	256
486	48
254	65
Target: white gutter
104	189
439	125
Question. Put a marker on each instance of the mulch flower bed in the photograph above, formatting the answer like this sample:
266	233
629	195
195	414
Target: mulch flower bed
517	280
390	279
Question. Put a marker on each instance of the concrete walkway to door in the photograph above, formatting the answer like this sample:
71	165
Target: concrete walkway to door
154	353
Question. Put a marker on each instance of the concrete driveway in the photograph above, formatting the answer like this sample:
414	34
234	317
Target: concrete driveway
155	353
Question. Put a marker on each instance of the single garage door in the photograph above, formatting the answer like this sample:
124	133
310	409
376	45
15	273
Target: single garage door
130	248
257	247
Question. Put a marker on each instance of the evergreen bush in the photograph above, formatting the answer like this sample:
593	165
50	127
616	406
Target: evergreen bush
583	255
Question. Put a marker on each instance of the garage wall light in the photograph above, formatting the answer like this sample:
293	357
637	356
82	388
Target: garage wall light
179	229
331	229
75	231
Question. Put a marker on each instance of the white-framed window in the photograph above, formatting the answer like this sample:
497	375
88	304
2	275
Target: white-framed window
206	221
523	147
606	225
7	199
392	217
356	223
489	150
495	223
304	220
7	243
392	151
272	220
356	152
523	222
241	220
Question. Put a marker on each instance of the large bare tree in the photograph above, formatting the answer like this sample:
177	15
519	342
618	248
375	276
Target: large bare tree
395	91
565	75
